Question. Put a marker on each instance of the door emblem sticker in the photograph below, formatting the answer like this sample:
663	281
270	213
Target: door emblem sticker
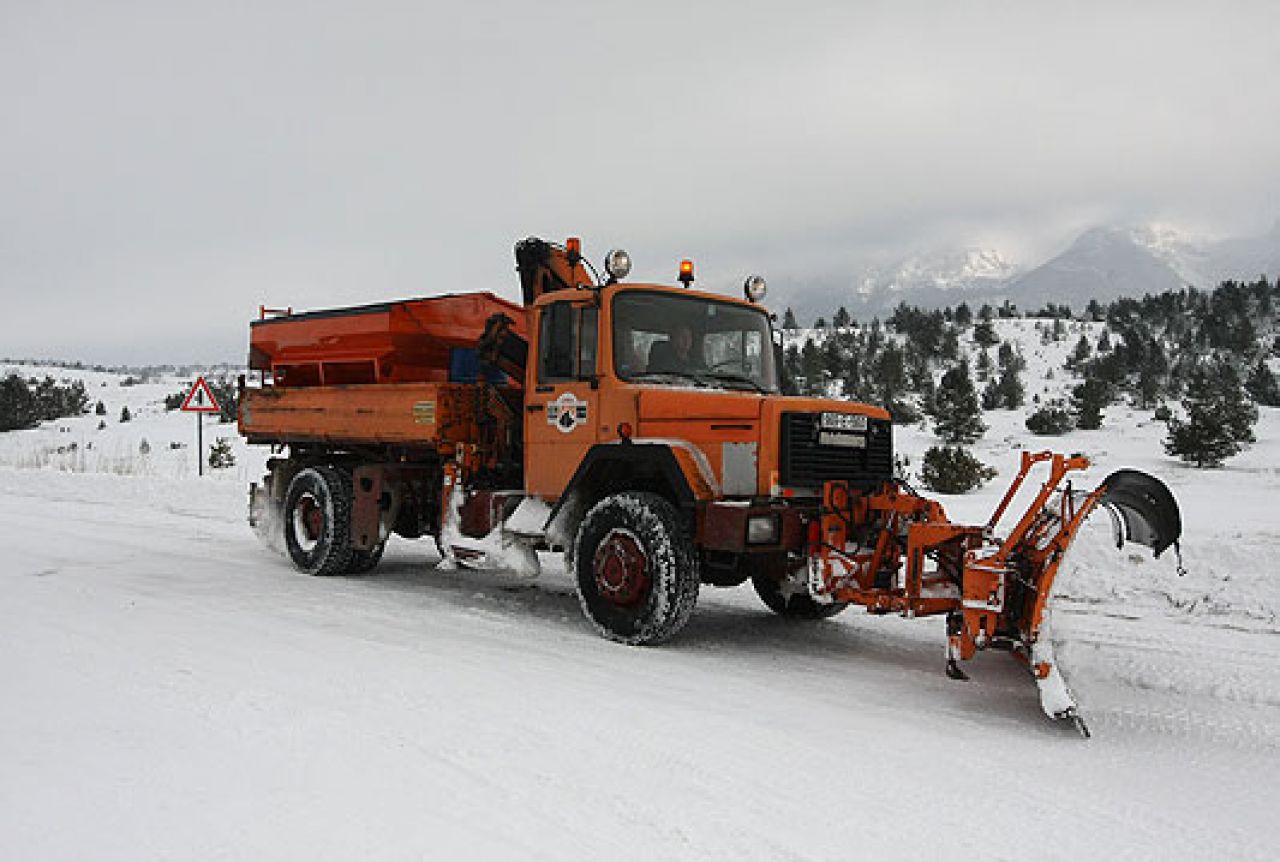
567	412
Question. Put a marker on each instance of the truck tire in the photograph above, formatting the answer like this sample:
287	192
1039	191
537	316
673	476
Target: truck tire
797	606
636	570
317	521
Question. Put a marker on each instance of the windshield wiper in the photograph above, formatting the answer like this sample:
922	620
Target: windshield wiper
679	375
735	378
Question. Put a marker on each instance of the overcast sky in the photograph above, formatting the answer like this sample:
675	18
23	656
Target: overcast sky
167	166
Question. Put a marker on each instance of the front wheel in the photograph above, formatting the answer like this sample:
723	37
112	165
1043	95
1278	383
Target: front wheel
636	570
317	521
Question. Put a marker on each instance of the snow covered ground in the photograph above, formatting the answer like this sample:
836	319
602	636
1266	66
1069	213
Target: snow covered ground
172	689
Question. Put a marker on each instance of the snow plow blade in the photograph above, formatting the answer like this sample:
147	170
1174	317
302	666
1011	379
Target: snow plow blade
1143	510
993	585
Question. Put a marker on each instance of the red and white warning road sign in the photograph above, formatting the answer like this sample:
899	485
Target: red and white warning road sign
200	399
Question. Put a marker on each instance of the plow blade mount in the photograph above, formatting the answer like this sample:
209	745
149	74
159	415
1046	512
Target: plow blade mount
1143	510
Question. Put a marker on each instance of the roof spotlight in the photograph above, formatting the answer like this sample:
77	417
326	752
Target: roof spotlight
754	288
618	264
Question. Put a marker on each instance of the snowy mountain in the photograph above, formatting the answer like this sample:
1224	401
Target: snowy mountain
1103	263
965	269
940	277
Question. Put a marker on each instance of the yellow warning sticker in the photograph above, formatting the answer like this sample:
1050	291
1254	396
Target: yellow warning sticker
424	413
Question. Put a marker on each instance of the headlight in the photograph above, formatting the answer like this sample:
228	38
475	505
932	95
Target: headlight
762	529
618	264
754	288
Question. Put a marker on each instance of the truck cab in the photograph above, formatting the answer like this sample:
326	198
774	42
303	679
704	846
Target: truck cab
677	394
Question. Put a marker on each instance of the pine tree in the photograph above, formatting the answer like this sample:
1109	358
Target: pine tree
1008	358
991	395
1051	419
950	348
1009	388
983	366
1087	400
890	372
953	470
125	415
984	334
220	454
957	415
101	409
1219	420
964	316
1261	385
842	319
227	394
1081	354
811	369
17	405
789	320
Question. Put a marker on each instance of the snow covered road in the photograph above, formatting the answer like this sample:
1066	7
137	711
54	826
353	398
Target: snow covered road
173	690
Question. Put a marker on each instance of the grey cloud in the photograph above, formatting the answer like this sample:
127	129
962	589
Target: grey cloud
168	166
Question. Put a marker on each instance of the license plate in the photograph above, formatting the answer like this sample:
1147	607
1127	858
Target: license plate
844	422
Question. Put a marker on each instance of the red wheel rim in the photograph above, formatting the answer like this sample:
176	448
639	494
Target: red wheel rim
621	569
308	522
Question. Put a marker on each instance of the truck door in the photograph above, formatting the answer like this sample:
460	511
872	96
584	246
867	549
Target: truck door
562	408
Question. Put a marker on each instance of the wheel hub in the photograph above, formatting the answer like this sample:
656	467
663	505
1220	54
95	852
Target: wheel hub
308	522
621	569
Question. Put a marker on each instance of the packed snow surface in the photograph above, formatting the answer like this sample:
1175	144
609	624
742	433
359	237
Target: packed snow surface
175	690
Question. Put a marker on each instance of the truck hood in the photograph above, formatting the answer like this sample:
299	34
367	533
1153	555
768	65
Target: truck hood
737	433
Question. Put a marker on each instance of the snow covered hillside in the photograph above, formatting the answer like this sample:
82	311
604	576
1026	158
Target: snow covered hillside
173	689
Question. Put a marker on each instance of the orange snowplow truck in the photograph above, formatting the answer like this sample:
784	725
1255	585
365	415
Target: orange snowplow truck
645	431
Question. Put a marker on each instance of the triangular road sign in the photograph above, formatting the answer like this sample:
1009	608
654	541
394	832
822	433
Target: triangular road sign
200	399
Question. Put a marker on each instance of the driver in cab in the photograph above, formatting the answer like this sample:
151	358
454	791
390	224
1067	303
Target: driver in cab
676	354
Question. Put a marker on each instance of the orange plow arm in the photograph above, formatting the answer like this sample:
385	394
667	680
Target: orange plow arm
894	551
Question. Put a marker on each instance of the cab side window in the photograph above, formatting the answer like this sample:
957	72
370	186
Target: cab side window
567	342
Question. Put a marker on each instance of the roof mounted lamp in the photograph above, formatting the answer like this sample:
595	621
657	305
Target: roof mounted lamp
618	264
754	288
686	272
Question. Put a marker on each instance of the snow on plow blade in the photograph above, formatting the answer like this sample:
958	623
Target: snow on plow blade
1143	510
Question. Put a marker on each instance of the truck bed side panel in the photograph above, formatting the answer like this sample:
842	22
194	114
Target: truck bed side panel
415	414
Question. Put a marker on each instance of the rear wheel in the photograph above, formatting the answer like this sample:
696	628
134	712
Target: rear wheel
790	597
317	521
636	570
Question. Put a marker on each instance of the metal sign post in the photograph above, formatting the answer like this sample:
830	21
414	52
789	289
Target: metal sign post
200	401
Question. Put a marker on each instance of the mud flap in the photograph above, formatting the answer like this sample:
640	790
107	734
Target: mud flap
1143	510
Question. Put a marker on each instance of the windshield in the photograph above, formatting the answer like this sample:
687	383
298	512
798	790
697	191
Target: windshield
683	340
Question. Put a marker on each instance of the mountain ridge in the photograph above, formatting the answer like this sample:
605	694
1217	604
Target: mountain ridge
1104	262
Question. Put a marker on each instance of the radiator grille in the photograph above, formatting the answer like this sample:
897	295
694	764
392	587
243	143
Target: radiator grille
805	462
